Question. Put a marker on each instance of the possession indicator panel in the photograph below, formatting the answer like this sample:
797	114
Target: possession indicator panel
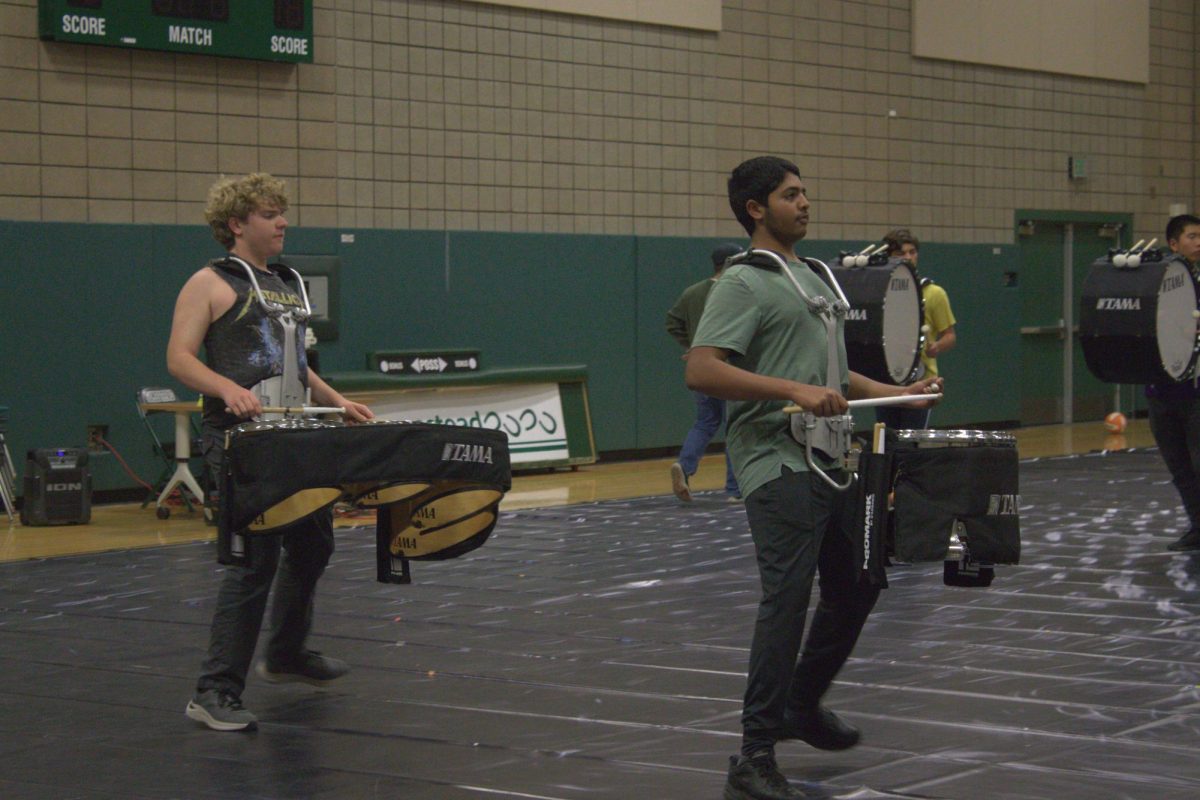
265	30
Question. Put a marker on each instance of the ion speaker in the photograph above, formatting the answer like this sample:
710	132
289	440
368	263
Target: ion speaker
58	487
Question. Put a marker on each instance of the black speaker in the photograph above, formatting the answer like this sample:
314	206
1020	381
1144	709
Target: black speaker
58	487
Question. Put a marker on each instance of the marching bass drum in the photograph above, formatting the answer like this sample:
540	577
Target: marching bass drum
1138	324
883	327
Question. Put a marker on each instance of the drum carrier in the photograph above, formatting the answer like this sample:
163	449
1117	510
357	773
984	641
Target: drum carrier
286	390
829	436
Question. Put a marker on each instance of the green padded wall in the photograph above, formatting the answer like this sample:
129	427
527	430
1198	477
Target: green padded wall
85	311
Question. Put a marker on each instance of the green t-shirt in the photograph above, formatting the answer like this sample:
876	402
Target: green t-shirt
758	316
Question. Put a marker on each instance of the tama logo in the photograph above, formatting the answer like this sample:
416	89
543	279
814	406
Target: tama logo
1003	505
1119	304
64	487
857	314
475	453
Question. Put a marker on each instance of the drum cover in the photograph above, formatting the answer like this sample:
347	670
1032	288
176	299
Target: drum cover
948	476
1137	325
883	327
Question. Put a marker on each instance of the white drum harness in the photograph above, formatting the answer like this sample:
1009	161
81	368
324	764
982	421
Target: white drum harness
830	436
287	390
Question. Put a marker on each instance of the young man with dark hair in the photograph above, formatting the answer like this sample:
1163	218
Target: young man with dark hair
940	337
1175	407
219	309
682	320
761	346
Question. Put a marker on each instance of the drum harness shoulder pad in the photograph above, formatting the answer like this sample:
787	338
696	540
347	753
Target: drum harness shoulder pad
828	435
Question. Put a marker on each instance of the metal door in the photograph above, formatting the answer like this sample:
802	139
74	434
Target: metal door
1056	386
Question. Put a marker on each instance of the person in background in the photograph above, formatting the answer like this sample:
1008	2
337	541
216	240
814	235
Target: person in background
1175	407
682	320
938	322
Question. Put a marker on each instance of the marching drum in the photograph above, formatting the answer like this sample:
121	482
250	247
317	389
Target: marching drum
1137	323
883	327
957	500
436	488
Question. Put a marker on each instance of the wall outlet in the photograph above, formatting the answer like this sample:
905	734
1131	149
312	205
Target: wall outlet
95	433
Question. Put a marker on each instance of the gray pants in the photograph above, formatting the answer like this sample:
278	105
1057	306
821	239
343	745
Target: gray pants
242	598
800	526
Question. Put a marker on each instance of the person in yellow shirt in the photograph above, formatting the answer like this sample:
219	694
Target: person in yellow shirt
939	339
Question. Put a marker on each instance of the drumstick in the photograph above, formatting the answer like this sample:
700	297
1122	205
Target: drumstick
303	410
898	400
880	437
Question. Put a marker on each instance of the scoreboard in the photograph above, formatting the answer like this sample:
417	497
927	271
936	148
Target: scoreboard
265	30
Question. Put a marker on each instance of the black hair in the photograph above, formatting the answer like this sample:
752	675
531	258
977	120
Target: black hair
896	239
723	252
1177	224
755	179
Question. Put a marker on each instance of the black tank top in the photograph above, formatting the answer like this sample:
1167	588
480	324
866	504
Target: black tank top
245	344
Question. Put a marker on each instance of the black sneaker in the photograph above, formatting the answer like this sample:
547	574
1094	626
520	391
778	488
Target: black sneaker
1189	541
757	777
821	728
311	668
220	710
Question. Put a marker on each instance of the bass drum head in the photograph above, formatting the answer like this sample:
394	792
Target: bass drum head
902	324
1175	324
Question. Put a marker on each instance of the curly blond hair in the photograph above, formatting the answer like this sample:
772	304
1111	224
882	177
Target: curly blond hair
239	197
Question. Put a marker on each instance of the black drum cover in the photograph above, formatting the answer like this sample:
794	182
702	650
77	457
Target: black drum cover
883	327
972	480
1136	325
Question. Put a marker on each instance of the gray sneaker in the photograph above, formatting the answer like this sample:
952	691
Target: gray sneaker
679	483
311	668
220	710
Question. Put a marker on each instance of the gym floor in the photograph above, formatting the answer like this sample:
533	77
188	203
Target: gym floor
595	647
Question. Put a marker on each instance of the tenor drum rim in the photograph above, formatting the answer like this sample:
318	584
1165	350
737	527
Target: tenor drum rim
956	438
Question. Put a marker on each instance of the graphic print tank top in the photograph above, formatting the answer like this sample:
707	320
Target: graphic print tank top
245	344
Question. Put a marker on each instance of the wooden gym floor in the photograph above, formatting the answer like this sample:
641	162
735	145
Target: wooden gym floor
118	527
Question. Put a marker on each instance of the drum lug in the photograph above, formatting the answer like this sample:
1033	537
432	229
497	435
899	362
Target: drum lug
957	550
959	569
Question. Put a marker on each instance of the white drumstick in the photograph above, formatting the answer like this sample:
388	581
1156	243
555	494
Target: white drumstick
898	400
310	410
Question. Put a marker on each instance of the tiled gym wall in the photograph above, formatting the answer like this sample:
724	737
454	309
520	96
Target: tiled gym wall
432	114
